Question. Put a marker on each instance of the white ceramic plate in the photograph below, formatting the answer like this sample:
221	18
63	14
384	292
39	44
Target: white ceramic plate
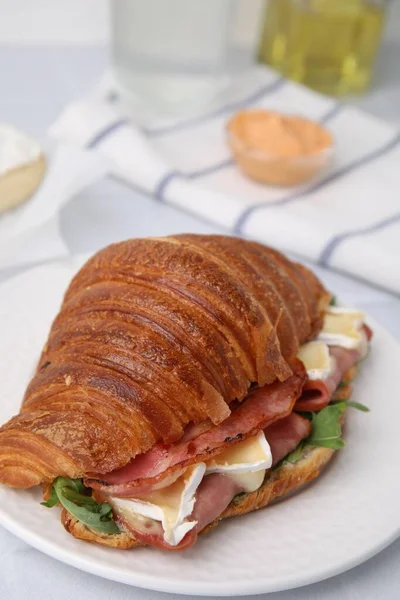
349	514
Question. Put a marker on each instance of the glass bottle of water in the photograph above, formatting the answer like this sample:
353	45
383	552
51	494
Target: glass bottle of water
173	57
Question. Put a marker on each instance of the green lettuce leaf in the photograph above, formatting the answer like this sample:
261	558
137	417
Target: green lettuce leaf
357	405
52	501
326	427
75	498
295	456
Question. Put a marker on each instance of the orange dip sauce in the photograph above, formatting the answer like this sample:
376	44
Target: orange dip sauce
278	149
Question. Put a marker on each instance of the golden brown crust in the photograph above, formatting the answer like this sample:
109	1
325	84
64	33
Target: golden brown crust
343	392
282	481
154	334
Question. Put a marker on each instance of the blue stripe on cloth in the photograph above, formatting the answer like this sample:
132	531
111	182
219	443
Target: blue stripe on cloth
163	183
332	113
333	244
356	164
211	169
182	125
104	133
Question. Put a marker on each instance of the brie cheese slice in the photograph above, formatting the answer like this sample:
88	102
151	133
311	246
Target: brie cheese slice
343	327
171	505
316	359
245	462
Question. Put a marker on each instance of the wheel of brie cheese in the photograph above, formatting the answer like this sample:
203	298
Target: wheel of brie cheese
22	167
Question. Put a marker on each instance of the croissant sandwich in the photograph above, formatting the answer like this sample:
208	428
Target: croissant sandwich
185	379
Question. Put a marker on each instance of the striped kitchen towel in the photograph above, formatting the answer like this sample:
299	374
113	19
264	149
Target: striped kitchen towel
348	219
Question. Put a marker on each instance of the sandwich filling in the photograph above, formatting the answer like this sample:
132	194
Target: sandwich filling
168	495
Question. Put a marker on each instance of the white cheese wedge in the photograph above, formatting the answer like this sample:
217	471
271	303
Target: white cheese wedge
245	462
316	359
22	167
343	327
171	505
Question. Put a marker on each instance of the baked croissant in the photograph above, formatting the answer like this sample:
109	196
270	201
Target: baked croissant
154	337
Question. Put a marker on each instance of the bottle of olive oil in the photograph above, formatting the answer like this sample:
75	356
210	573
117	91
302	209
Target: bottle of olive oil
329	45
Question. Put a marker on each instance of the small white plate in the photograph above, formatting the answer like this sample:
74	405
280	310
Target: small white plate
349	514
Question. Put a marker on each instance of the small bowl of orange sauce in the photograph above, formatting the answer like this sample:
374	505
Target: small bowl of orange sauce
277	149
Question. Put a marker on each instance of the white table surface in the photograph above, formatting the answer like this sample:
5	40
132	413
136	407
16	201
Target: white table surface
35	85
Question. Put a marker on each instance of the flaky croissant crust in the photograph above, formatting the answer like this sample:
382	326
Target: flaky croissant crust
154	334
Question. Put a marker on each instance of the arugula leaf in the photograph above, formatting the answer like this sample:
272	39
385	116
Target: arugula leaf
357	405
295	456
326	427
92	514
53	499
73	496
74	484
352	404
82	499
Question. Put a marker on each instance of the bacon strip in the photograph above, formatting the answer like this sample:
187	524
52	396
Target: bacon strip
286	434
315	396
263	407
316	393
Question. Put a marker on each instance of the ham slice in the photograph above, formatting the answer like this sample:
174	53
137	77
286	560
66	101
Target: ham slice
317	393
368	332
286	434
214	495
262	407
